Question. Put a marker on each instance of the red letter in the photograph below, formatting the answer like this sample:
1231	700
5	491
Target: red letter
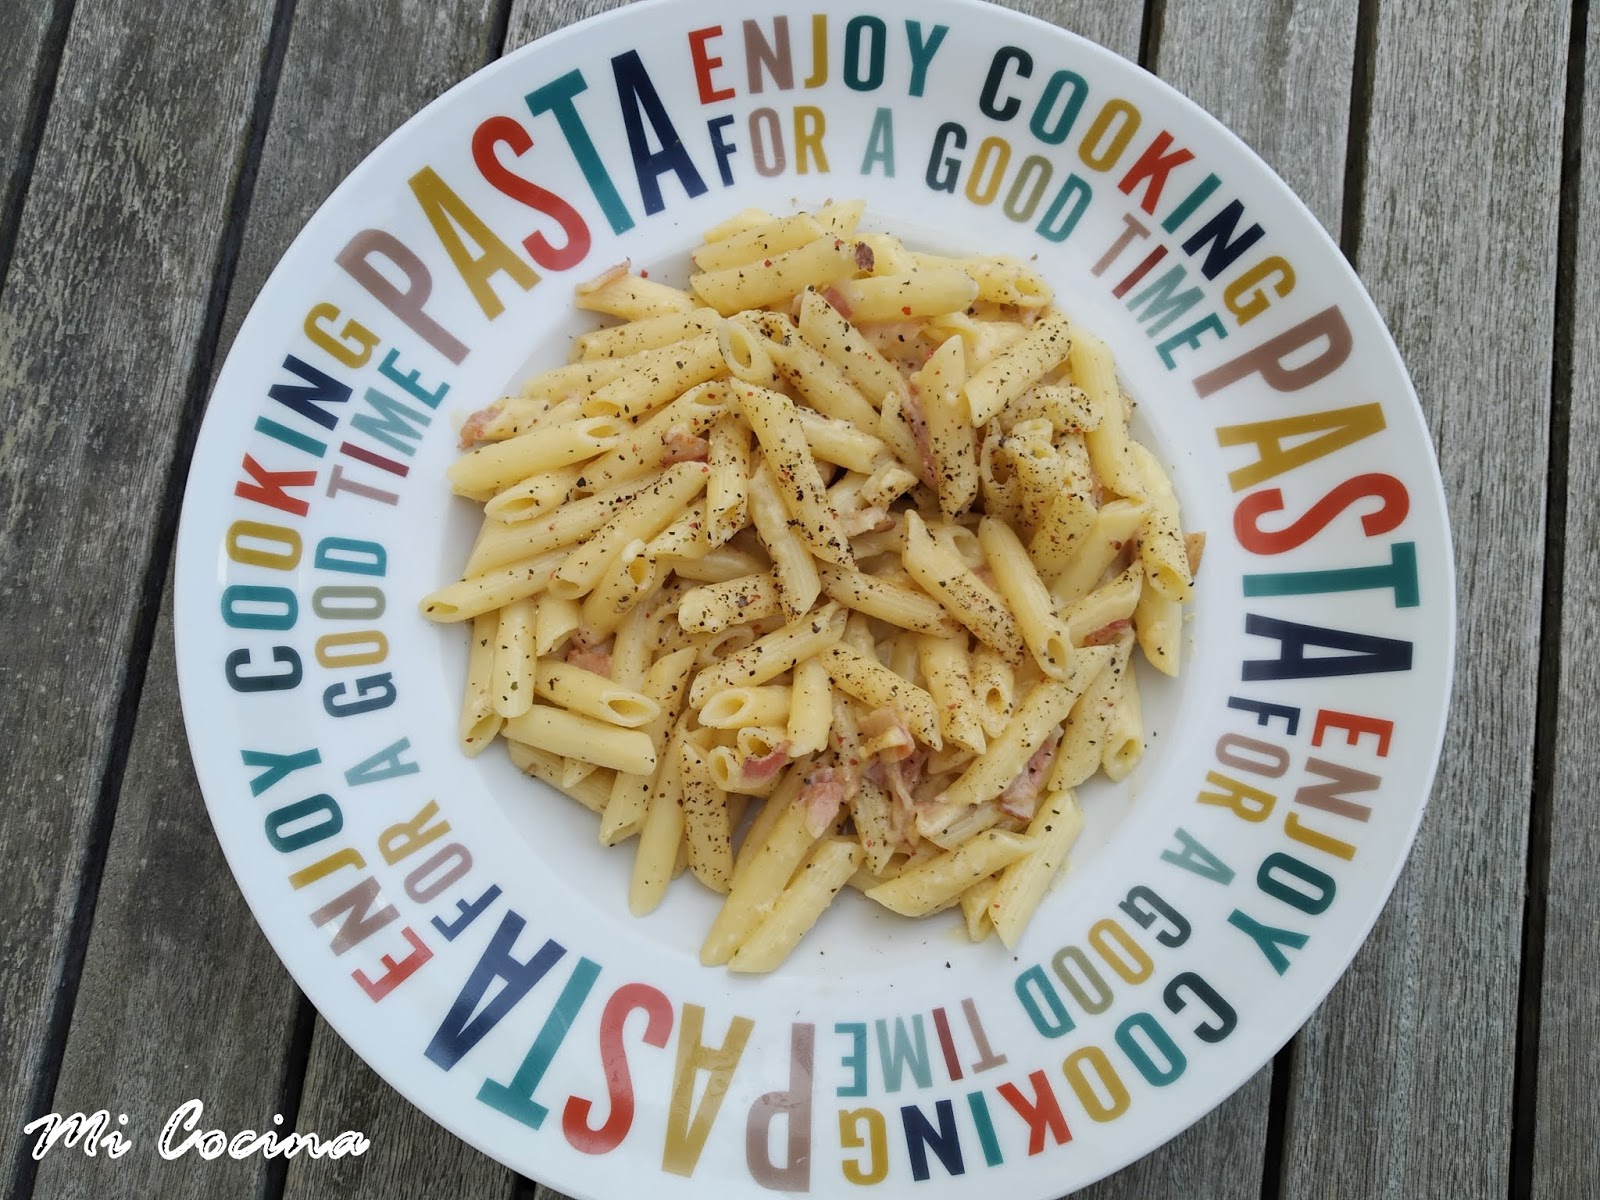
704	64
1354	727
268	487
1247	517
503	131
619	1082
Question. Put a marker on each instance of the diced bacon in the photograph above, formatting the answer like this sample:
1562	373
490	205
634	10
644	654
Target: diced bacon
472	430
683	446
1194	546
1021	798
1107	633
834	297
865	259
763	768
919	432
827	790
585	659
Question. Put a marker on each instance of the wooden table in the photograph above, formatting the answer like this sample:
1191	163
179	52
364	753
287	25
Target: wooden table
157	156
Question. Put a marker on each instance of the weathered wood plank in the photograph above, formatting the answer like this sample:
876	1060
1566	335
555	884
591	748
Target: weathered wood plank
100	321
24	52
410	1154
1278	74
194	954
1115	24
1403	1080
1566	1159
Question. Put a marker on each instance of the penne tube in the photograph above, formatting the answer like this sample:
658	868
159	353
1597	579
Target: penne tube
713	607
810	709
922	889
1037	717
727	488
499	544
759	881
468	598
621	294
538	494
746	353
659	376
1161	542
592	695
705	820
628	802
842	443
1096	374
630	577
950	434
1083	733
888	601
1059	533
1044	634
514	659
975	906
944	666
1158	628
793	569
619	341
945	577
661	836
798	906
578	736
994	688
1124	730
589	791
1022	364
644	448
826	260
1054	828
875	685
737	707
920	292
500	464
479	720
772	655
650	511
783	445
759	242
1113	525
828	331
1104	609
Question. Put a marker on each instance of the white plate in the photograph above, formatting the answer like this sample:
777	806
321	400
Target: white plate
1153	982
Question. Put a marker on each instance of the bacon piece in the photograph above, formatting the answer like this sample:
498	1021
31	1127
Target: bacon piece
1194	546
472	430
1107	633
840	305
586	659
759	770
1021	797
826	791
683	446
888	733
865	259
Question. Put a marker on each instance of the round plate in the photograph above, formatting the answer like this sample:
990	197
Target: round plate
459	924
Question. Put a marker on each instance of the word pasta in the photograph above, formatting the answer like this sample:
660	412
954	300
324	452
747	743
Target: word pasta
848	534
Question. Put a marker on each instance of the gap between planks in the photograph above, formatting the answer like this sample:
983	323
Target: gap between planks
1530	983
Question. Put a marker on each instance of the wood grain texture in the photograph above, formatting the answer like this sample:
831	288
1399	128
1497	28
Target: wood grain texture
1403	1080
1278	74
532	19
1566	1158
1115	24
191	951
24	49
410	1154
100	322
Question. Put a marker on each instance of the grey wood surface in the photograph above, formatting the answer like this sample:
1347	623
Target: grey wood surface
1566	1149
119	986
113	268
27	60
1457	246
